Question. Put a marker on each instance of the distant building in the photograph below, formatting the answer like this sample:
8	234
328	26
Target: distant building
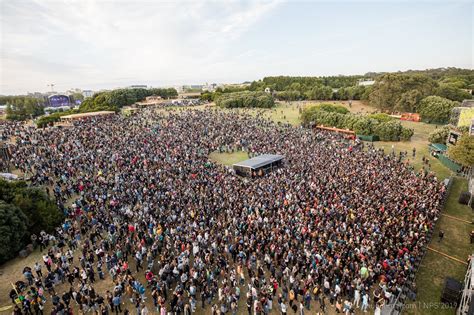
210	87
138	86
366	82
87	93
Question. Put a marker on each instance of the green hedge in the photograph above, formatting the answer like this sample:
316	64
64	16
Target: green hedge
390	130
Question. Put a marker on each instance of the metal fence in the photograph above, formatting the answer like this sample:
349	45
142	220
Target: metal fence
397	303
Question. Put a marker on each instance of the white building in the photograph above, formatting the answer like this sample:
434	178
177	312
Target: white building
87	93
366	82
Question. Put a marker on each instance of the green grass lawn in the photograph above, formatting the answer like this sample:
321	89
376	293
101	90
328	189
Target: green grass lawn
435	267
228	158
282	112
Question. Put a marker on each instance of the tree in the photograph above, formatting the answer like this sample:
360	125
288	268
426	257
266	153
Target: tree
463	151
380	117
23	107
13	231
332	108
409	101
77	97
452	93
388	131
436	109
388	89
329	115
320	92
42	212
439	135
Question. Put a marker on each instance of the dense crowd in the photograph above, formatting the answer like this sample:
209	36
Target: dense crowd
338	227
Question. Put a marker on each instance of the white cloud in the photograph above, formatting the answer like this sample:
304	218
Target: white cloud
85	43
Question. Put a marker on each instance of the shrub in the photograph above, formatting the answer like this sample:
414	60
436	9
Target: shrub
333	108
388	131
439	135
380	117
24	211
436	109
406	134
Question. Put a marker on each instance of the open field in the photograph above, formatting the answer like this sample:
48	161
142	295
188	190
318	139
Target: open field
228	158
283	112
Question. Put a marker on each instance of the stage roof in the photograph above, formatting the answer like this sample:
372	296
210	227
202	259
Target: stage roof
259	161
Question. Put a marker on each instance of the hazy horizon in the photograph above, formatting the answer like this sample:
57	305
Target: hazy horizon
102	45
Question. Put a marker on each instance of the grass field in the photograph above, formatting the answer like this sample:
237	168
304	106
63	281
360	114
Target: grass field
282	112
228	158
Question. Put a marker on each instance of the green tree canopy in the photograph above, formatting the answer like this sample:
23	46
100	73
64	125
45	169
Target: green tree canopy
13	231
452	92
401	92
436	109
463	151
386	130
439	135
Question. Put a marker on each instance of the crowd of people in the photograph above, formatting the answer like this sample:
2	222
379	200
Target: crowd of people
155	227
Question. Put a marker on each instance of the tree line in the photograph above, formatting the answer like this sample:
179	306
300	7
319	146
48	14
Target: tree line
116	99
27	107
110	100
433	93
22	107
24	211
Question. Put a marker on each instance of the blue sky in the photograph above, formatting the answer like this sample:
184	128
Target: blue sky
105	44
